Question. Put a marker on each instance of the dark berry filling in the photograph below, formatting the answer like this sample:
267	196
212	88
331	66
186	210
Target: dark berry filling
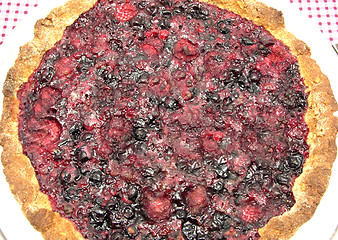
166	120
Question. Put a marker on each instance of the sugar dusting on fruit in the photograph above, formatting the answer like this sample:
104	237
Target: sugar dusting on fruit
165	120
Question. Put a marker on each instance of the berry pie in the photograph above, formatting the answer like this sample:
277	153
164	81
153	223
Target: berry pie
167	119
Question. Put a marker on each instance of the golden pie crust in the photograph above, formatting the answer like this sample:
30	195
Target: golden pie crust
308	189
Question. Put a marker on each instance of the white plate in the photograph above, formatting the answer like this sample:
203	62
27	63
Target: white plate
15	226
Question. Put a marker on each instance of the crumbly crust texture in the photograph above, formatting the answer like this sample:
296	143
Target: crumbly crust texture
308	189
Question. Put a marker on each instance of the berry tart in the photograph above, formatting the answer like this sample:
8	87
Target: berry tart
167	119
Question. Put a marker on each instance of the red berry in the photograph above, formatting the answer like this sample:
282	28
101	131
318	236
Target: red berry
157	207
197	199
149	50
125	12
218	136
186	50
251	213
187	95
163	34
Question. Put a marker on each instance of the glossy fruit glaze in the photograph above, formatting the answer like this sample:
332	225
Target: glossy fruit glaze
165	120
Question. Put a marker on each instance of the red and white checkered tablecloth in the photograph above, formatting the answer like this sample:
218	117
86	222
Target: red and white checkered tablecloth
324	12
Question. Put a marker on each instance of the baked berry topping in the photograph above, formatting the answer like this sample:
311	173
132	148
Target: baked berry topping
166	120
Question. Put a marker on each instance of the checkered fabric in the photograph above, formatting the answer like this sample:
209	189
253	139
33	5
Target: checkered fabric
12	12
324	12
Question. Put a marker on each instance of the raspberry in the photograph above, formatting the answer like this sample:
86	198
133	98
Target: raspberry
250	213
157	208
197	199
125	12
218	136
163	34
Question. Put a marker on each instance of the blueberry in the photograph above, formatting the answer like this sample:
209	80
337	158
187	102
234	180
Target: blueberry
137	23
166	14
87	137
152	122
148	173
134	193
189	231
113	205
237	70
294	100
293	71
197	11
110	80
140	134
75	131
81	155
164	24
282	179
142	4
68	49
85	63
243	82
69	194
247	41
181	214
45	74
65	177
152	10
99	219
58	155
178	10
221	222
295	161
116	236
128	212
222	27
143	78
218	186
255	76
96	177
213	97
222	171
172	103
115	44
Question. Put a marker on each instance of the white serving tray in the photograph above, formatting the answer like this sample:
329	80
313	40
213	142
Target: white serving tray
321	227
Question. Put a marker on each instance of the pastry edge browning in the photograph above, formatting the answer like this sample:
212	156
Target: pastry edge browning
308	188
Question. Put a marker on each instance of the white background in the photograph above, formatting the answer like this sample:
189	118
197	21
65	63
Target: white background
321	227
